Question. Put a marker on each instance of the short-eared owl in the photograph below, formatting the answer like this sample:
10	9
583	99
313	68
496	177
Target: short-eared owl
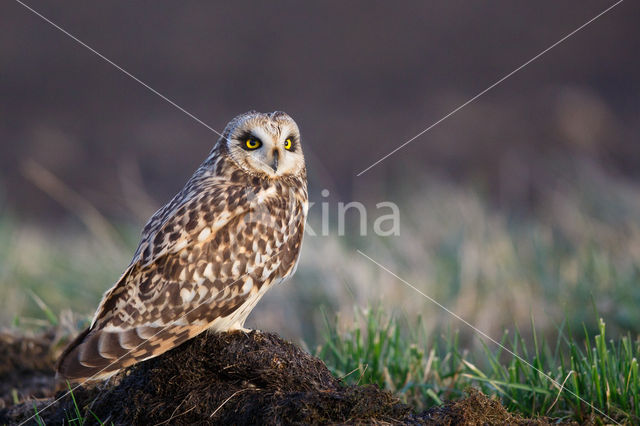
208	256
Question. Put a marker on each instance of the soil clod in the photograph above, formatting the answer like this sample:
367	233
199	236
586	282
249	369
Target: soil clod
240	378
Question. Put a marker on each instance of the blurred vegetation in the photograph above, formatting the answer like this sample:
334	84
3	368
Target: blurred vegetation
580	249
547	281
530	228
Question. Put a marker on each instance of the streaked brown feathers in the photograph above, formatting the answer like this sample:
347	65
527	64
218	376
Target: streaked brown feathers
205	258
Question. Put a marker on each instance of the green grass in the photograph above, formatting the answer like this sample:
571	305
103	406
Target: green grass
37	417
489	266
74	418
397	355
496	270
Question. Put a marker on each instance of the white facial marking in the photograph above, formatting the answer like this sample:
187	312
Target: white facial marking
272	131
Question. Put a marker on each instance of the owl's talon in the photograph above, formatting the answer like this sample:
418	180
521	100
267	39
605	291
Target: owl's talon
242	329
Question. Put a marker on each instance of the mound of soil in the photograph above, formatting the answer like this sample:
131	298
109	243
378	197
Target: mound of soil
241	378
26	367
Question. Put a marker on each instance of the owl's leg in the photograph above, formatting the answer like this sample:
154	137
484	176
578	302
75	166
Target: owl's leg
239	326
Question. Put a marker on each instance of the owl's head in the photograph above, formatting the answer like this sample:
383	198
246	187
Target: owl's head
265	144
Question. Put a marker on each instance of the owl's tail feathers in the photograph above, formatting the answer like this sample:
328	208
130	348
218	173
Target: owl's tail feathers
96	354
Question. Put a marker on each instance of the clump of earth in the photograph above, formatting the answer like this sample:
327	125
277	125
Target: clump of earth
235	378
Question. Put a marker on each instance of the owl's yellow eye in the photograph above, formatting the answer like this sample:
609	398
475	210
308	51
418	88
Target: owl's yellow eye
288	144
252	143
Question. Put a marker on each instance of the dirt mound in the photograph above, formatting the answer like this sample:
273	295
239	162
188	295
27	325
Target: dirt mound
240	378
26	367
478	409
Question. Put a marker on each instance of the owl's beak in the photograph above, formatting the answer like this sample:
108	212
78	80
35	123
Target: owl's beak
274	162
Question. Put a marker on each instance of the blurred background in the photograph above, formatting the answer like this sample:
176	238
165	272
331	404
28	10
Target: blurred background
526	203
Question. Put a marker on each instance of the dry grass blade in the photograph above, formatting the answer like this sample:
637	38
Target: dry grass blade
559	391
227	400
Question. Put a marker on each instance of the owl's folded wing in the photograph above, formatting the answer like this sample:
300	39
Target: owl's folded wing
201	270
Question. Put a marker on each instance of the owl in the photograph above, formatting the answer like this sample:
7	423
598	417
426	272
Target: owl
207	257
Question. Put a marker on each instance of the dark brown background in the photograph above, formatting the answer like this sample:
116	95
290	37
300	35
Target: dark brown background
360	77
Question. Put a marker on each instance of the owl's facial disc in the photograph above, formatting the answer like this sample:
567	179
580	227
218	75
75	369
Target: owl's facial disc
267	144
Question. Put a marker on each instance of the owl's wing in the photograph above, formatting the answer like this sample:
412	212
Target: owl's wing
199	266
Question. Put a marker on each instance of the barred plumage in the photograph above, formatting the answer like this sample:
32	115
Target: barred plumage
208	256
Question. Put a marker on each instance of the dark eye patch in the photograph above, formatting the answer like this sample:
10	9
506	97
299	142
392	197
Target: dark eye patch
247	135
244	139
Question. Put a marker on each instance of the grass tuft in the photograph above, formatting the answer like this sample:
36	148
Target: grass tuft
397	355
